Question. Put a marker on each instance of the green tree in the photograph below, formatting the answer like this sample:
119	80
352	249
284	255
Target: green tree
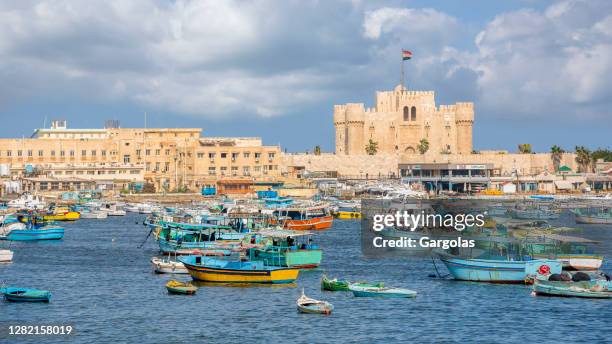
524	148
317	150
583	158
372	147
556	153
423	146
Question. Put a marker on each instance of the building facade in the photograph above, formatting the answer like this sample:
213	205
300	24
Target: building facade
167	158
400	120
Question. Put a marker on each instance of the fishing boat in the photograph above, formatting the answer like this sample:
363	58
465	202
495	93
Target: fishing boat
593	216
306	304
167	266
6	256
25	295
495	269
112	209
177	287
599	289
27	201
93	214
186	240
61	214
574	252
284	248
368	291
48	232
304	218
343	285
541	213
208	269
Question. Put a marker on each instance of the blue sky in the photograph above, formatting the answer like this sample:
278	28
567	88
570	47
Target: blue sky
539	72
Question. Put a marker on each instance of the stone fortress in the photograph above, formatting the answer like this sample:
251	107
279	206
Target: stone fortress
398	122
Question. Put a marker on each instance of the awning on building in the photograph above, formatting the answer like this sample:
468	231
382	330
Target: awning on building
563	185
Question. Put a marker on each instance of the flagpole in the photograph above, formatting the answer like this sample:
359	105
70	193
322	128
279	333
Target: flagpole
402	68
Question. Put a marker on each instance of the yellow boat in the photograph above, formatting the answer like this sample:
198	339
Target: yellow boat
347	215
222	271
62	214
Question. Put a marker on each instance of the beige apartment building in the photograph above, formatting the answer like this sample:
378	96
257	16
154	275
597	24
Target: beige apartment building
167	158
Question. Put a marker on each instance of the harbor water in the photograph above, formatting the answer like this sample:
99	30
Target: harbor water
103	286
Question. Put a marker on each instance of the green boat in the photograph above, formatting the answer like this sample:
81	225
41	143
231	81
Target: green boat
284	248
177	287
343	285
584	289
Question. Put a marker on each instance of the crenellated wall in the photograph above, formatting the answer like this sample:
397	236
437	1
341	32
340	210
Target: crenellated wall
398	122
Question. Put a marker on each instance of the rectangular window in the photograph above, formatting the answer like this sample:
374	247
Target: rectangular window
147	152
126	159
166	167
270	155
157	166
257	155
211	155
52	153
212	171
71	153
83	153
245	170
29	152
62	153
93	153
246	155
138	152
167	152
40	153
200	155
234	156
9	153
157	151
103	152
19	153
223	155
148	166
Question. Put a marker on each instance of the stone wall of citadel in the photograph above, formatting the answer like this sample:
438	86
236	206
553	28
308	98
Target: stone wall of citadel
386	164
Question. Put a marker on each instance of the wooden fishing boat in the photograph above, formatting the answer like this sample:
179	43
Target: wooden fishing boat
584	289
167	266
62	214
208	269
574	252
306	304
368	291
593	216
306	218
343	285
284	248
6	256
43	233
25	295
177	287
493	269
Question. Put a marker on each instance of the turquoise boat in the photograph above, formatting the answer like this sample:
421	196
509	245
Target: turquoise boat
25	295
285	248
369	291
584	289
208	241
43	233
496	269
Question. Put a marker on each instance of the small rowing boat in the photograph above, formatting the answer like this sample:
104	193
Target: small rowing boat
6	256
343	285
363	291
25	295
306	304
177	287
167	266
586	289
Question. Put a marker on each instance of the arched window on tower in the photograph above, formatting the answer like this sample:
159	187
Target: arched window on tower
413	113
406	113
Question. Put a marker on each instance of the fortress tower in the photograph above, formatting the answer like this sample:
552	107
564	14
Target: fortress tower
400	120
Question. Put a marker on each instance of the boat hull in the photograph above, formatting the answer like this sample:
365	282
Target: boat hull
593	220
221	275
69	216
35	234
315	223
495	271
6	256
26	295
302	259
348	215
569	289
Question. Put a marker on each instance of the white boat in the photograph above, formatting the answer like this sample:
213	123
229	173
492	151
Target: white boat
28	201
112	209
6	256
93	214
369	291
306	304
167	266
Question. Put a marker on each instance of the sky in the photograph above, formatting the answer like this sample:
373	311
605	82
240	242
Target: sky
538	72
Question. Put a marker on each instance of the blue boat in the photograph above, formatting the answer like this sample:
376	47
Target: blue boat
43	233
496	269
25	295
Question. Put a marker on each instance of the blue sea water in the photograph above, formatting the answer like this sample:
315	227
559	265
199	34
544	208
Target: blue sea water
102	284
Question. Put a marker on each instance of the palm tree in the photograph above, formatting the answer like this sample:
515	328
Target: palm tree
524	148
317	150
583	158
423	146
556	153
372	147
